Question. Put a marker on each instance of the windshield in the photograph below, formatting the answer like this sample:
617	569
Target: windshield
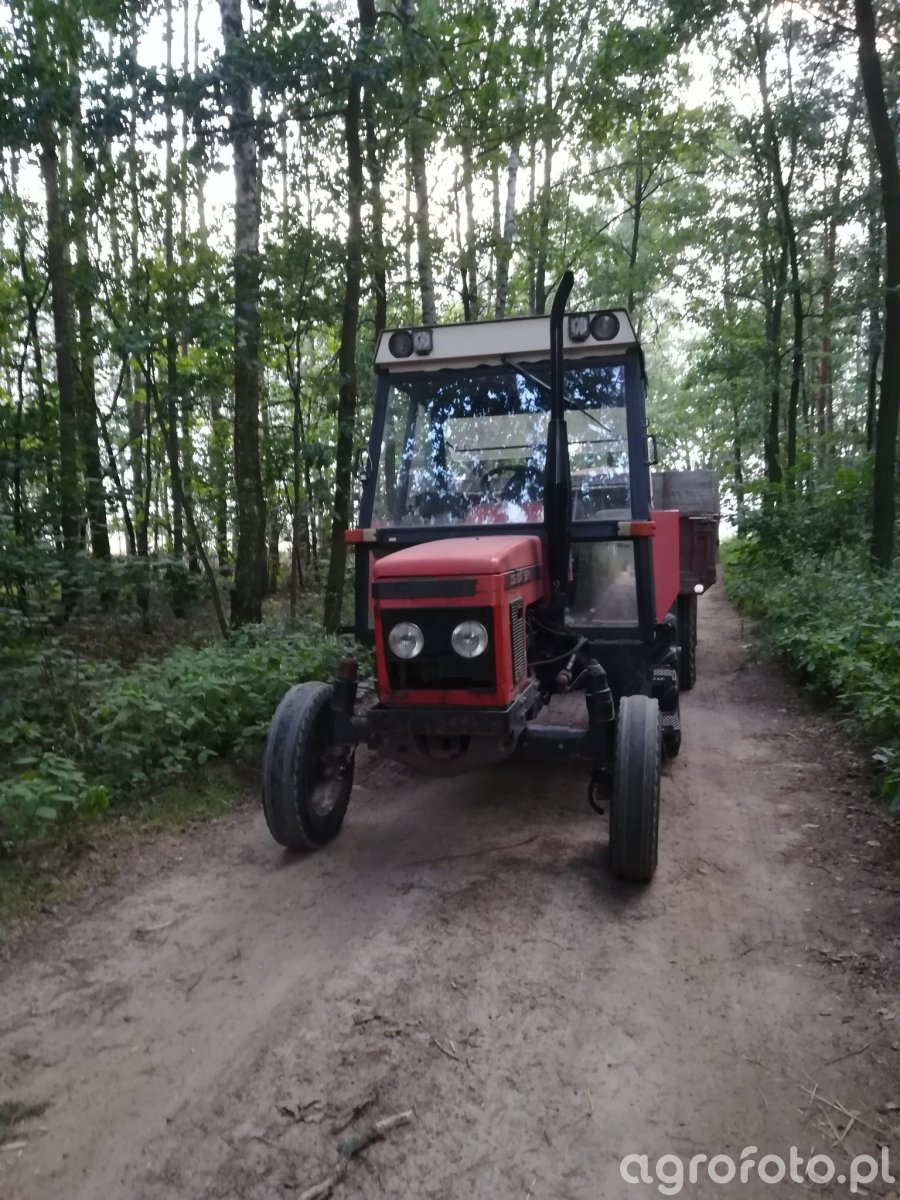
469	447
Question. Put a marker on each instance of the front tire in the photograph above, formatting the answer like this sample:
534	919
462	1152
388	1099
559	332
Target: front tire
634	810
307	780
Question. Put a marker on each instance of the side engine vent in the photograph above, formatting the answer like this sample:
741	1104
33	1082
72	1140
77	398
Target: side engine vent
517	639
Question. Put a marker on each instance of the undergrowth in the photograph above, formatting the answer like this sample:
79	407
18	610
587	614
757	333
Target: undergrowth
79	734
803	568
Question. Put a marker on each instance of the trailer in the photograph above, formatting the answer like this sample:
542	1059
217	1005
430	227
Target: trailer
694	495
508	555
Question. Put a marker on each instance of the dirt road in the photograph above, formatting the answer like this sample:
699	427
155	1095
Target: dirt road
461	952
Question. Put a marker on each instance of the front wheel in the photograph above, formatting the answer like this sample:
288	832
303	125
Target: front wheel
634	810
306	778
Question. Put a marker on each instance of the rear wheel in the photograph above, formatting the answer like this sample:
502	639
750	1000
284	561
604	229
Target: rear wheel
634	810
306	779
687	640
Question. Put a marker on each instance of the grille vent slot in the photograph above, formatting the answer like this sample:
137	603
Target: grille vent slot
517	639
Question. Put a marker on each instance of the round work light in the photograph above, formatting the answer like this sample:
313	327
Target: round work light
400	343
604	326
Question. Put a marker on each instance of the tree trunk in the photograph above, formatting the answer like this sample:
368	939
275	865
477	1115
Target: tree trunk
636	214
884	484
138	415
789	237
470	266
540	274
531	261
218	444
796	349
63	337
367	19
85	290
250	565
774	309
417	144
171	341
504	250
346	415
824	393
738	469
33	302
297	509
273	558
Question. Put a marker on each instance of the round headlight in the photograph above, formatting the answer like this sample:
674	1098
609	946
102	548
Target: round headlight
604	326
406	640
469	639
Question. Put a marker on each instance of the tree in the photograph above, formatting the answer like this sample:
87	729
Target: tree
63	331
346	409
884	482
250	562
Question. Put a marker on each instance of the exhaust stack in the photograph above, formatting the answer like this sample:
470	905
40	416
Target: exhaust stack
557	477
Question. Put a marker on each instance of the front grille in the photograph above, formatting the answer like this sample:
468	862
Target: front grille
439	667
517	639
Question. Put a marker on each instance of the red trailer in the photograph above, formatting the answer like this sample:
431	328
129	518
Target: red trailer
695	496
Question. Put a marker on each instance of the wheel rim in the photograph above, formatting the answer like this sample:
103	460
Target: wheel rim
327	777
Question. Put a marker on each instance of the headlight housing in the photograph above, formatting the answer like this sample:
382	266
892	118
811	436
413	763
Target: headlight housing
406	640
469	639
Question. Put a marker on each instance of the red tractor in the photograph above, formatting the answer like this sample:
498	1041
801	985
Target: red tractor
507	555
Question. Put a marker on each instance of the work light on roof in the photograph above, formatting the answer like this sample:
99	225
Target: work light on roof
604	326
422	341
400	343
579	327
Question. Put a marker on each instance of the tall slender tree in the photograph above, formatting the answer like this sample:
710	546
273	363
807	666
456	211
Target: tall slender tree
884	496
250	563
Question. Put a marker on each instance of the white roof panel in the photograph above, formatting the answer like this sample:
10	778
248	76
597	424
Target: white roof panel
487	343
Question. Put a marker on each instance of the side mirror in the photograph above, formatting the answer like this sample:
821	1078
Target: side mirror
652	451
362	464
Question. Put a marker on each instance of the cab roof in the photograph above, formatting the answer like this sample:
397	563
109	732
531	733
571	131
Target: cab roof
488	343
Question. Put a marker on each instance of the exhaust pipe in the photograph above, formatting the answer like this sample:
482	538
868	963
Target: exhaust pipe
557	475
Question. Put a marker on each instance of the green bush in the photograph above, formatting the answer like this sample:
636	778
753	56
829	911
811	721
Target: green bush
77	734
804	569
197	704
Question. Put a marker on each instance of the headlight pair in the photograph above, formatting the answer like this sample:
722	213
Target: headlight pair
469	639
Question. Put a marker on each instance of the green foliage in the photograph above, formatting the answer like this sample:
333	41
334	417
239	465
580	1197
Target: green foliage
804	569
198	704
77	734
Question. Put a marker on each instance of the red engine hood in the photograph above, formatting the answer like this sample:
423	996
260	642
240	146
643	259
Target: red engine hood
462	556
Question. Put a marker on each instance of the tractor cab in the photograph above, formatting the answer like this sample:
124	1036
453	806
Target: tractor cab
506	557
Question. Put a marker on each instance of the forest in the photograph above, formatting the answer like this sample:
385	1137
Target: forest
208	212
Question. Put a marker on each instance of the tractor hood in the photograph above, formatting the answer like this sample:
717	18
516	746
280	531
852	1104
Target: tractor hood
465	556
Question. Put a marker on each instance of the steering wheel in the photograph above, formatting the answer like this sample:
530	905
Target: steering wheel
522	479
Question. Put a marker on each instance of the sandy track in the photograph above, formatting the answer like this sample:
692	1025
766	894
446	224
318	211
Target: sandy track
461	950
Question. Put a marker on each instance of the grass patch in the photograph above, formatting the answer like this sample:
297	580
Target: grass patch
202	798
13	1113
51	870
